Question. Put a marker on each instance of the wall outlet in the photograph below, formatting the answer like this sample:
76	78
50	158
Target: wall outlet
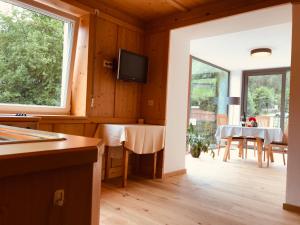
59	197
150	102
108	64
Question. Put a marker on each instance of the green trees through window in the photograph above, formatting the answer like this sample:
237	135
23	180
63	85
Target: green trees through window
267	94
31	57
208	97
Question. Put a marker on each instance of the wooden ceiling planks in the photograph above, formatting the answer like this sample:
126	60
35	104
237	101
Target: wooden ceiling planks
209	11
148	10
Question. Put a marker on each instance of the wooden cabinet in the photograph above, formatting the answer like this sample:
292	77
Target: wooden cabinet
29	122
29	199
51	182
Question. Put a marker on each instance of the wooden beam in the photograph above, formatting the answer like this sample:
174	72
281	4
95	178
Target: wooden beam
67	6
178	5
209	11
103	8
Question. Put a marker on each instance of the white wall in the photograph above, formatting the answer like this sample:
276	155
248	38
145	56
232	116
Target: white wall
235	91
293	169
177	103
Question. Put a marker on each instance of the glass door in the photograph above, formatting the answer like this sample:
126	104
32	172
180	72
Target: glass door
266	96
209	85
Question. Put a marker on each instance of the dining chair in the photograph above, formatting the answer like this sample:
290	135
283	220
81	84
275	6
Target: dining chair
222	119
282	146
262	121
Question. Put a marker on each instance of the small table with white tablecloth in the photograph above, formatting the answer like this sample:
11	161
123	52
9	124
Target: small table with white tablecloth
263	136
138	138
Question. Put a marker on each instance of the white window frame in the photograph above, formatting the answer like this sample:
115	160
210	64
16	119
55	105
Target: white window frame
70	39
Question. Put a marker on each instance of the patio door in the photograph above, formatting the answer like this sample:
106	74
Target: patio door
209	85
266	96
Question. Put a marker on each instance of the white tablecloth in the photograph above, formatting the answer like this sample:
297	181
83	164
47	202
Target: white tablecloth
267	134
139	138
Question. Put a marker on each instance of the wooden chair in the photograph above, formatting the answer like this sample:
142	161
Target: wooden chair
262	121
222	119
283	148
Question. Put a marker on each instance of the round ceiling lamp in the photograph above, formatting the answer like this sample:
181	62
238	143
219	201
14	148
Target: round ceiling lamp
261	52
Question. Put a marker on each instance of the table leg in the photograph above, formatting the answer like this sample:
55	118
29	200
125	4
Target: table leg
125	166
107	162
227	149
259	151
154	165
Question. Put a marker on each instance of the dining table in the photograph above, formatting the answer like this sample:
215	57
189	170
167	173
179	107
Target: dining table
262	135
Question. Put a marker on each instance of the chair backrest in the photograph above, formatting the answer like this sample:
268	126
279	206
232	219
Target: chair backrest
222	119
263	121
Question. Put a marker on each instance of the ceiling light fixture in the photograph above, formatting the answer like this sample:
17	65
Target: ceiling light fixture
261	52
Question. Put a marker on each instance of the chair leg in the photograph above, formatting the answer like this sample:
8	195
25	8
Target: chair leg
227	150
264	153
269	154
283	156
125	167
259	152
254	148
246	153
241	149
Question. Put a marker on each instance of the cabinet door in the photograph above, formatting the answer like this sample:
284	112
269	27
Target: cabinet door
29	199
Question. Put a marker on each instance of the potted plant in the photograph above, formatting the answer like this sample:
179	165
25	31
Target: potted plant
197	144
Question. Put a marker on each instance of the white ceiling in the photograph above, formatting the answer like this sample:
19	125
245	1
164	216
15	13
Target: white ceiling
227	43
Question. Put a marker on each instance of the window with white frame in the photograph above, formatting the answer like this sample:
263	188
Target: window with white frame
35	55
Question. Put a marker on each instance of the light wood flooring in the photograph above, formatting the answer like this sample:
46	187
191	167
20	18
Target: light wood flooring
211	193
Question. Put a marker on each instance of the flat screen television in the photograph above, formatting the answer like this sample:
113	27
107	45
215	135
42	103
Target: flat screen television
132	67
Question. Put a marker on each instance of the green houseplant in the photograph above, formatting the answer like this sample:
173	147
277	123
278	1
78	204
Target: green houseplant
197	143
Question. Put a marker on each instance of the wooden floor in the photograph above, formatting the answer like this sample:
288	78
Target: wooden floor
212	193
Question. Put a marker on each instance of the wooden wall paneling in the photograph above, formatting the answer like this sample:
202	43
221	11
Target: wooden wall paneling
46	127
128	94
104	78
89	129
153	105
75	129
114	120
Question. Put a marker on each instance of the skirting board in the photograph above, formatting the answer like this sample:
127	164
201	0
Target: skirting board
174	173
291	208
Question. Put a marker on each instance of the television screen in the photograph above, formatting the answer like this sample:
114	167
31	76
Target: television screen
132	67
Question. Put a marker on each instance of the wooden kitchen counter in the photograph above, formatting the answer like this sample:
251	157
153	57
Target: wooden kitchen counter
32	173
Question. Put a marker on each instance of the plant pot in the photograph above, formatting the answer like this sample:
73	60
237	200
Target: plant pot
195	152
